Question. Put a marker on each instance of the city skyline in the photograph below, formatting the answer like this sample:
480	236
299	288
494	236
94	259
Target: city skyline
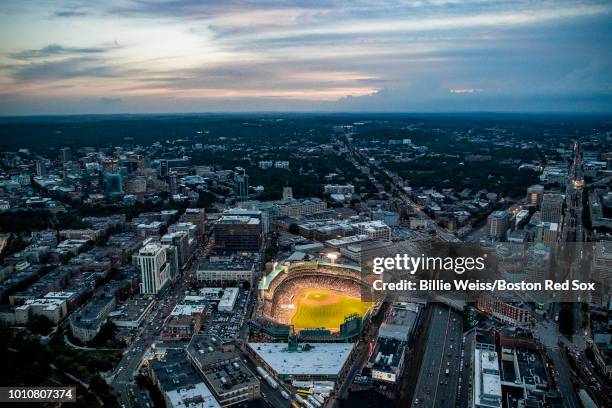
392	56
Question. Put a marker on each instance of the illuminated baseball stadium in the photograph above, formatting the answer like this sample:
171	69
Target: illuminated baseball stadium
315	299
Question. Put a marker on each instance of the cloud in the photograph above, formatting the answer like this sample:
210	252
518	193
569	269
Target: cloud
464	90
54	50
65	69
110	101
333	54
70	13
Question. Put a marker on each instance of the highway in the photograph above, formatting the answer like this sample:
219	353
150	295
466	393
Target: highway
436	388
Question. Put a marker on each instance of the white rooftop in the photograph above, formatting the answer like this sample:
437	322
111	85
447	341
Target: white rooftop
190	305
487	383
229	297
59	295
196	395
322	359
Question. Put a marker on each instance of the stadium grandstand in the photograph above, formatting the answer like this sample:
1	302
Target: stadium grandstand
316	300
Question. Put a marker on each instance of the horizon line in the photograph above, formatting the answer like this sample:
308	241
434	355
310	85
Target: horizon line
313	112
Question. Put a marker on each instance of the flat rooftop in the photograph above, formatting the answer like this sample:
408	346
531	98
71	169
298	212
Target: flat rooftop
220	364
174	371
132	308
238	219
190	305
487	381
387	354
352	239
225	266
400	322
322	359
192	396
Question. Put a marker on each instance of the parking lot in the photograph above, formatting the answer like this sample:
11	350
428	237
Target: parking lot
227	325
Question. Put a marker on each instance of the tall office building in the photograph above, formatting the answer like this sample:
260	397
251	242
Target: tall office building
163	168
238	233
41	169
241	180
65	154
113	183
262	216
173	183
287	193
547	232
552	207
535	194
154	267
497	224
179	240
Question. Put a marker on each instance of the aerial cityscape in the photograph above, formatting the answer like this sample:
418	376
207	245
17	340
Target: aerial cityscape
222	266
306	204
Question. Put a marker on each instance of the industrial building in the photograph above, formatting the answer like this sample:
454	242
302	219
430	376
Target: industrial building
308	361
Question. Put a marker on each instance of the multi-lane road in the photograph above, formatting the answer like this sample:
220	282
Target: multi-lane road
440	369
123	375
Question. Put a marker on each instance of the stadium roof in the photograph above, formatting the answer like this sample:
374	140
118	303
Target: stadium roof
323	359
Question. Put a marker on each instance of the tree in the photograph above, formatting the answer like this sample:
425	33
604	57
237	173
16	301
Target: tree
107	333
294	229
98	386
14	244
40	325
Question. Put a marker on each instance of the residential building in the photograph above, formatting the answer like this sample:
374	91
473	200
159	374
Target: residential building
534	195
497	224
154	267
86	322
552	208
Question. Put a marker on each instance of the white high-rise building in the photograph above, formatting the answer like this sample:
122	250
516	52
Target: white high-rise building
154	267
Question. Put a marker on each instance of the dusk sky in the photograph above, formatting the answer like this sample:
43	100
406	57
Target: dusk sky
73	57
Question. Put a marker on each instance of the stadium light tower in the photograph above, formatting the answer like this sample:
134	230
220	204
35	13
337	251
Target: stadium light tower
332	256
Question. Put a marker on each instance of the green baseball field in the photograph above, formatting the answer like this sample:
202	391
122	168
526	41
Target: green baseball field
325	308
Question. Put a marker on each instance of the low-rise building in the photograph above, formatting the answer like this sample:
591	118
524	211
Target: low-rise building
86	322
387	360
179	383
516	315
486	388
186	318
225	272
310	361
53	309
132	312
374	230
223	370
228	300
400	322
